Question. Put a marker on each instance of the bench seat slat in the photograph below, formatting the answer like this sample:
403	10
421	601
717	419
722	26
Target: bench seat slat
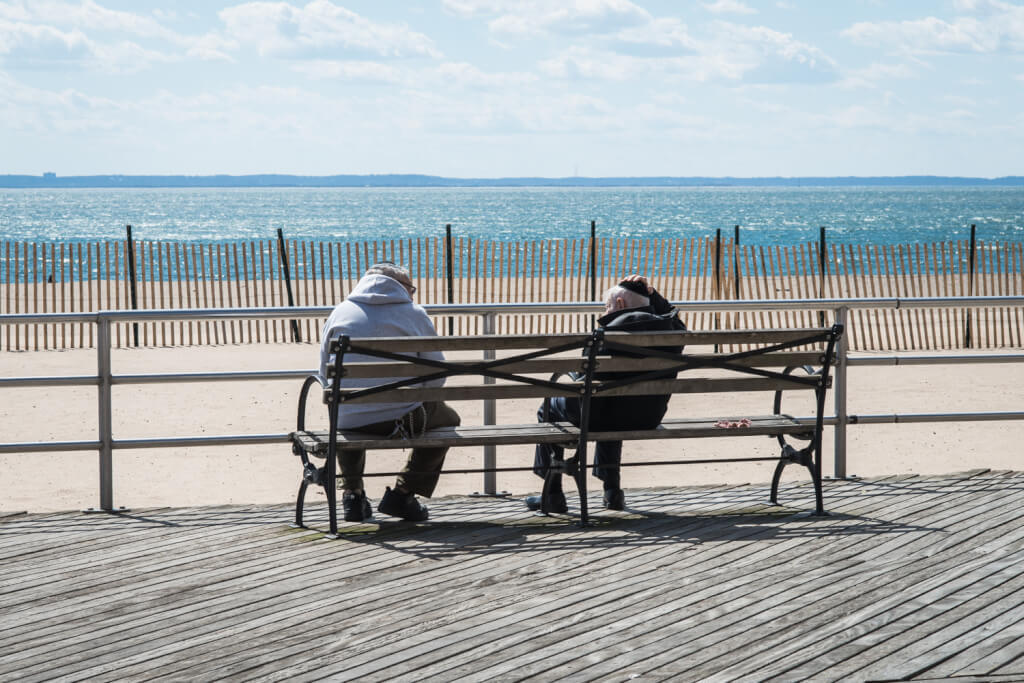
316	442
692	428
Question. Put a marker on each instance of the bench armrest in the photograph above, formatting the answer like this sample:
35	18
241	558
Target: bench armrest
810	371
300	421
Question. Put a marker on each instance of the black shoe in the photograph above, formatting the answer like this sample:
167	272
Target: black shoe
614	499
402	505
556	502
356	506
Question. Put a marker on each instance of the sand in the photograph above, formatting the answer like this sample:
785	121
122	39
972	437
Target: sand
178	477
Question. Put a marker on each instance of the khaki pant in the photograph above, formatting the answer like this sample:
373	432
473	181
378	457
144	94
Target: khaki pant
423	466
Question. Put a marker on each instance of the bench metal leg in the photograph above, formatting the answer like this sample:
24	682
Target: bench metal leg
581	486
775	480
332	496
815	468
791	456
300	501
331	489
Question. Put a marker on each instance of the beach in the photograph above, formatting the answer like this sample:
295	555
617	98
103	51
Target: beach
184	477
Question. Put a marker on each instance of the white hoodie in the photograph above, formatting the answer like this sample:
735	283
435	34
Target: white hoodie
378	306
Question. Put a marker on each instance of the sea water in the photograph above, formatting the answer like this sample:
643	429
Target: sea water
766	216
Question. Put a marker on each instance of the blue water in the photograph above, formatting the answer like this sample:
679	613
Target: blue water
783	216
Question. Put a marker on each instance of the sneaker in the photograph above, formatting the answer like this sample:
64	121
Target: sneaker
556	502
405	506
614	499
356	506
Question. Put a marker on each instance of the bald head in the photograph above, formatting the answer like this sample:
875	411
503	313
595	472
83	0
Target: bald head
618	298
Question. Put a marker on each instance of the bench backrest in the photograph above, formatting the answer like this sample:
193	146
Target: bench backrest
522	366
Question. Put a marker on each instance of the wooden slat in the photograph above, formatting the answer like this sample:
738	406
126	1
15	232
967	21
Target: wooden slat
696	428
448	437
547	366
915	574
160	281
317	442
538	341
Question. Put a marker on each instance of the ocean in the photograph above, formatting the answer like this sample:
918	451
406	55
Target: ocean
766	216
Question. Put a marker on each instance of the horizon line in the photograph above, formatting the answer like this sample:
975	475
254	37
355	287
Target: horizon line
52	180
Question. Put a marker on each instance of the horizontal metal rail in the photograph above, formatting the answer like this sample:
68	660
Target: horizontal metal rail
105	378
279	312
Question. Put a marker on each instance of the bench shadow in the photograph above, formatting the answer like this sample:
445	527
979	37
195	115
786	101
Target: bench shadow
630	529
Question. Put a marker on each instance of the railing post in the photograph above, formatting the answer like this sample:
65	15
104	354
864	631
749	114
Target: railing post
839	393
490	417
105	421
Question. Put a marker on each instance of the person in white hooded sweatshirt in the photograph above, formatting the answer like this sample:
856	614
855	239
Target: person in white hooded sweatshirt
381	305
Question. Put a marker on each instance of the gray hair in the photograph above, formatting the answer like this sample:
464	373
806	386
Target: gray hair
631	298
395	272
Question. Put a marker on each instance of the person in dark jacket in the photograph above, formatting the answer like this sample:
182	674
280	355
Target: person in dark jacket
631	306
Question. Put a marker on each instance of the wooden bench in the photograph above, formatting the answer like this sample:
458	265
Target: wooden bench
537	366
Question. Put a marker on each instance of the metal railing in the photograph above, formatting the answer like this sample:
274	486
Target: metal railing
105	379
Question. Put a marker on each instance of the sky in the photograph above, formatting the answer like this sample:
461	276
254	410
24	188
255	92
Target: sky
513	88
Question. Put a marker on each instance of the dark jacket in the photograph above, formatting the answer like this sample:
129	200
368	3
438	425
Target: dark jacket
632	412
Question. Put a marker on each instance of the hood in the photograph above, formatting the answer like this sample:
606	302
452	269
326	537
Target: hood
379	289
625	318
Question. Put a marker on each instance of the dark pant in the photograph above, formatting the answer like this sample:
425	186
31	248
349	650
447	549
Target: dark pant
423	467
605	453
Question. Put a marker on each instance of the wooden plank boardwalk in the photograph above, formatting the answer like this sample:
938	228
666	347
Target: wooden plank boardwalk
910	578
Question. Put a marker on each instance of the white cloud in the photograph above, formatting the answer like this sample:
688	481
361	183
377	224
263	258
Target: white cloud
445	77
213	47
729	7
585	63
320	29
987	26
36	46
530	17
870	76
32	42
471	8
731	53
465	75
48	33
90	16
768	56
35	111
659	38
367	72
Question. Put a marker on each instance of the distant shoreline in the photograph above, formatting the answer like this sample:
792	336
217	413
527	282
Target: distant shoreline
51	181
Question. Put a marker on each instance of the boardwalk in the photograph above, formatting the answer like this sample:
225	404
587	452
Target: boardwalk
913	578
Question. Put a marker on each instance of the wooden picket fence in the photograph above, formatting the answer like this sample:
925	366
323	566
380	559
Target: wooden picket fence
68	277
